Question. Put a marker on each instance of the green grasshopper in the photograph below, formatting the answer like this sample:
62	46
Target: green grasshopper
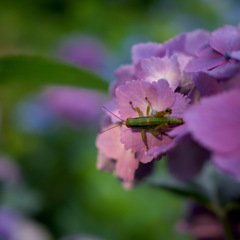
157	121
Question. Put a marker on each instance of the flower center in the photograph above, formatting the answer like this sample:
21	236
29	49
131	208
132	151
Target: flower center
227	55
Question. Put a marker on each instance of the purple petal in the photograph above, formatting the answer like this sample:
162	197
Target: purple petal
226	70
185	165
236	55
196	40
206	84
226	39
208	59
176	44
215	122
122	74
113	112
154	69
74	104
146	50
162	149
232	83
187	43
229	163
179	105
180	130
83	51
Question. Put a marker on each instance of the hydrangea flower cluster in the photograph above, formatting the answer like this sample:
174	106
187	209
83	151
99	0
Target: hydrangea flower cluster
193	78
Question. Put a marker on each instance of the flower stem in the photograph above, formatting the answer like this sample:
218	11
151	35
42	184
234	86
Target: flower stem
222	215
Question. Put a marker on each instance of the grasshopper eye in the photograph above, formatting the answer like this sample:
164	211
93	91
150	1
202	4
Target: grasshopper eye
169	110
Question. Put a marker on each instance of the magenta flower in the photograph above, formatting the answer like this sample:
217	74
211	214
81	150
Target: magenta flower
221	56
76	105
215	124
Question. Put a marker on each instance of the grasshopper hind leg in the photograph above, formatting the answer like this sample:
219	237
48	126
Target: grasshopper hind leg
163	113
144	139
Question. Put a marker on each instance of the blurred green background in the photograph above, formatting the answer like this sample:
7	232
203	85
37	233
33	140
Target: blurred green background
61	188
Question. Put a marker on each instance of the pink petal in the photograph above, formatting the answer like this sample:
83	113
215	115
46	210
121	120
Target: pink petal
110	146
132	139
158	93
153	69
127	165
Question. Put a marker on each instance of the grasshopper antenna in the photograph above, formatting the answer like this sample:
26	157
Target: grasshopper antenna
114	114
110	128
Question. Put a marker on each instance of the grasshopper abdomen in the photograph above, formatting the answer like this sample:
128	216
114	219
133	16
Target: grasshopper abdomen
152	122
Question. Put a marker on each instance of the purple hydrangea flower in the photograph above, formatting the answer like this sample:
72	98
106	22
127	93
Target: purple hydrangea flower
215	124
156	74
221	56
8	223
187	43
77	105
13	226
83	51
154	61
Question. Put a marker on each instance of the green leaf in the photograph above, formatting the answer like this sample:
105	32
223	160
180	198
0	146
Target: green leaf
190	190
38	71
